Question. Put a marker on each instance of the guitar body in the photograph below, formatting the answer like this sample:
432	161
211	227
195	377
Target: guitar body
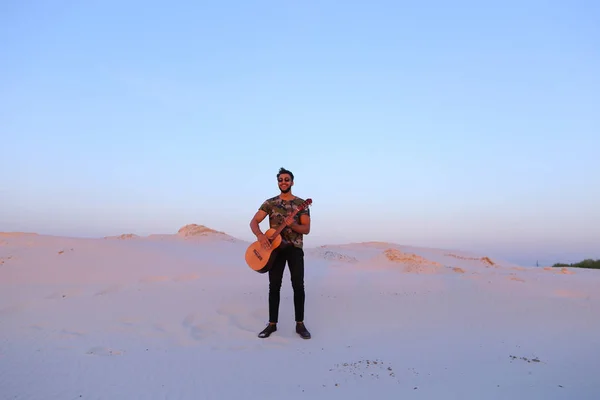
260	259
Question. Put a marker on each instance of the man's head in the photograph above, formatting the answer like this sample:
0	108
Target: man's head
285	180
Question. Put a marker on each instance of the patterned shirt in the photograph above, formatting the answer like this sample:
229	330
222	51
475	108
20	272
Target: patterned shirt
277	210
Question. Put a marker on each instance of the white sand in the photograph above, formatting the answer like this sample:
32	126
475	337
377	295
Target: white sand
177	317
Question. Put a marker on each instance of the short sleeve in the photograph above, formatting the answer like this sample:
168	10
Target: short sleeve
266	207
306	211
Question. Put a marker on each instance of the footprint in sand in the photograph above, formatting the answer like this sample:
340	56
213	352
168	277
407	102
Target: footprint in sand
67	333
16	308
154	279
201	328
63	294
186	278
274	341
104	351
143	326
5	259
130	321
178	278
109	289
160	328
240	317
247	324
572	294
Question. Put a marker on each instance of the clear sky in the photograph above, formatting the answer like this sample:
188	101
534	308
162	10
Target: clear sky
464	124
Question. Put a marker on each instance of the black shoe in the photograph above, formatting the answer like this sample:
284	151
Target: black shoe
267	331
302	331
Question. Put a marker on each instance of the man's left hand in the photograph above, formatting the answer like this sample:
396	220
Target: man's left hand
289	221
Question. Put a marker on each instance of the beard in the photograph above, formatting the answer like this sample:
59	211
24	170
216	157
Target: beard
285	190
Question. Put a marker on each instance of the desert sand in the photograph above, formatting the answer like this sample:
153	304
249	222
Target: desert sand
176	316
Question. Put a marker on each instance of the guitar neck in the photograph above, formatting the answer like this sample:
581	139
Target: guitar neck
282	226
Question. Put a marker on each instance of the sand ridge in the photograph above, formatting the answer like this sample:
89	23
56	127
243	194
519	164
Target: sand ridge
485	260
562	270
412	263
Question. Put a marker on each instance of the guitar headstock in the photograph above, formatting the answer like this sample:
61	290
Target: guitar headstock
304	205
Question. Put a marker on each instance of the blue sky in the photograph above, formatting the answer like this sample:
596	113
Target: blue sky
466	124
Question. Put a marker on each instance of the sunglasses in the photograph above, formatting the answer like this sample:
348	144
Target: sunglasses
283	179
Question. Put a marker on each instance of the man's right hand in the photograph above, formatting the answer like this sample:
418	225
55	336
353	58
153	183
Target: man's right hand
264	241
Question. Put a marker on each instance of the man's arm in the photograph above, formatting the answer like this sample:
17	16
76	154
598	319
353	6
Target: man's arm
304	225
257	219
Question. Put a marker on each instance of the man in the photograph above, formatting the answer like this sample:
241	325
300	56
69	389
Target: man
279	210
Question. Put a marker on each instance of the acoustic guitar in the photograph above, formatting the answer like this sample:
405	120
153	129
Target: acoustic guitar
260	259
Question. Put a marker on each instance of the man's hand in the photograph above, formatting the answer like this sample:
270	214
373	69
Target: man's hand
264	241
289	220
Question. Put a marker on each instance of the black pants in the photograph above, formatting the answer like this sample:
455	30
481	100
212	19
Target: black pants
295	260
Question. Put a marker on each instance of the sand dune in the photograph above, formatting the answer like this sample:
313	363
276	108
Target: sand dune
177	316
16	234
123	236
